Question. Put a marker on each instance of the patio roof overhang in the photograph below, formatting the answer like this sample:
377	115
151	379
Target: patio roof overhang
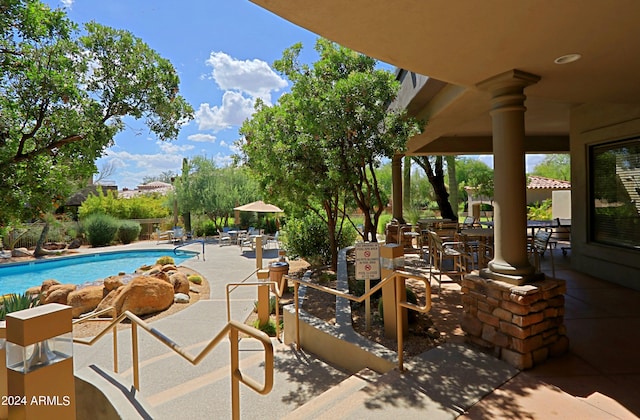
460	44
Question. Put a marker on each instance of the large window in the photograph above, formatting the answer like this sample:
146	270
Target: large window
615	193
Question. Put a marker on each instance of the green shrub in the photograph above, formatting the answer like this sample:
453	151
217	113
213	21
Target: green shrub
269	328
540	211
17	302
165	260
210	228
128	231
101	229
272	305
195	279
308	237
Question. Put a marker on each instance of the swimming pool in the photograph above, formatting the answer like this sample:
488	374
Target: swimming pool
79	269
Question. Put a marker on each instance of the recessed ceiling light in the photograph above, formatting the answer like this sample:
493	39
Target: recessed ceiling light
568	58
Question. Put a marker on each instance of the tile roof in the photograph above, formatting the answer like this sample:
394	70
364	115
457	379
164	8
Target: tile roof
539	182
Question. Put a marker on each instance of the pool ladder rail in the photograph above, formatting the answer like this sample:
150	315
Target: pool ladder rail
175	250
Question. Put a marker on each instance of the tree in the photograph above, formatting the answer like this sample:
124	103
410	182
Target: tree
331	131
434	169
554	167
165	176
213	191
63	97
476	174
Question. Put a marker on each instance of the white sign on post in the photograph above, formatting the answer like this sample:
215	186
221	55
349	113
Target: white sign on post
367	261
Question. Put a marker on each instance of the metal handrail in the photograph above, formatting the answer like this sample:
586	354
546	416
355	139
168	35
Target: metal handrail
189	243
278	294
396	276
231	329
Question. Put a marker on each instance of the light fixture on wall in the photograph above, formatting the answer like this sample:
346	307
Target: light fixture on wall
567	58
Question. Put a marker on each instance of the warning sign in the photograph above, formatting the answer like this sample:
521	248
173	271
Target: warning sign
367	261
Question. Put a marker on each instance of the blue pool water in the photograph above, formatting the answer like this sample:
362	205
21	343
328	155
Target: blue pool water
18	277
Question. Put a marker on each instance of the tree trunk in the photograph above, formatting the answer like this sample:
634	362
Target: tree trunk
453	184
436	178
406	183
40	251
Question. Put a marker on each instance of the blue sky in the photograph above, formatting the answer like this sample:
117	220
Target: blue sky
223	51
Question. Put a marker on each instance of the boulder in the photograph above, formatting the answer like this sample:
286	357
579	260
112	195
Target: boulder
21	252
34	291
108	300
47	284
161	275
85	300
180	298
75	244
59	293
112	283
169	267
180	282
144	295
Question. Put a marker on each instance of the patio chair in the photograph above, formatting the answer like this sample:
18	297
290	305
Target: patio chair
178	234
164	236
537	248
275	240
224	238
442	253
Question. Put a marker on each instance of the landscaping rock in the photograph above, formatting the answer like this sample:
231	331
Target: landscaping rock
144	295
85	300
112	283
181	298
21	252
107	301
59	293
169	267
179	282
34	291
161	275
47	284
75	244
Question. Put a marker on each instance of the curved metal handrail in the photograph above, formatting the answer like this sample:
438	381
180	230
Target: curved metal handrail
189	243
231	330
395	277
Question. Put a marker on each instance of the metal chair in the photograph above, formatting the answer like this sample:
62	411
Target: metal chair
442	251
538	246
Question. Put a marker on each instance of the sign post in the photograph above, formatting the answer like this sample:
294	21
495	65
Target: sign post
367	268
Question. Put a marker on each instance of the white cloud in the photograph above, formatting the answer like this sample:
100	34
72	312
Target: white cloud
243	82
234	110
174	148
132	168
67	3
253	77
202	138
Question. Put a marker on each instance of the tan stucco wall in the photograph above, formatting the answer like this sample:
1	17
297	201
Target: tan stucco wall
593	124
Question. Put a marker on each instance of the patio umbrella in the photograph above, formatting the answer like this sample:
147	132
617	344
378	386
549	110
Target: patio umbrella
260	207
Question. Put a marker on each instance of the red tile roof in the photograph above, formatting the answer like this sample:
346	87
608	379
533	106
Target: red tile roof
540	182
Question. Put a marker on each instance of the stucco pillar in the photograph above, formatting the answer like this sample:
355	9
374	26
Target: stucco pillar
510	261
396	181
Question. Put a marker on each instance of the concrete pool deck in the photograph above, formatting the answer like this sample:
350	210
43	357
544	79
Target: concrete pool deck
598	378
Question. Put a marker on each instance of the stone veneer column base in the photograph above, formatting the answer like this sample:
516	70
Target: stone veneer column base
521	324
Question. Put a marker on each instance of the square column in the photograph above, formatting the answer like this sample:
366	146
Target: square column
40	363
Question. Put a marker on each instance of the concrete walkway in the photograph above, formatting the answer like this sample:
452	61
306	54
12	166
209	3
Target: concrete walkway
173	388
599	378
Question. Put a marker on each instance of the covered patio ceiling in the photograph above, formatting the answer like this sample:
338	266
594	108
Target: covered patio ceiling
459	44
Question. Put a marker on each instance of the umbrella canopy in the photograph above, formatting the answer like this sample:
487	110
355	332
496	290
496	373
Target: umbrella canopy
260	207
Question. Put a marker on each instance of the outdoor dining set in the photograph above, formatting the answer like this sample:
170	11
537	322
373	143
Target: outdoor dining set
454	249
